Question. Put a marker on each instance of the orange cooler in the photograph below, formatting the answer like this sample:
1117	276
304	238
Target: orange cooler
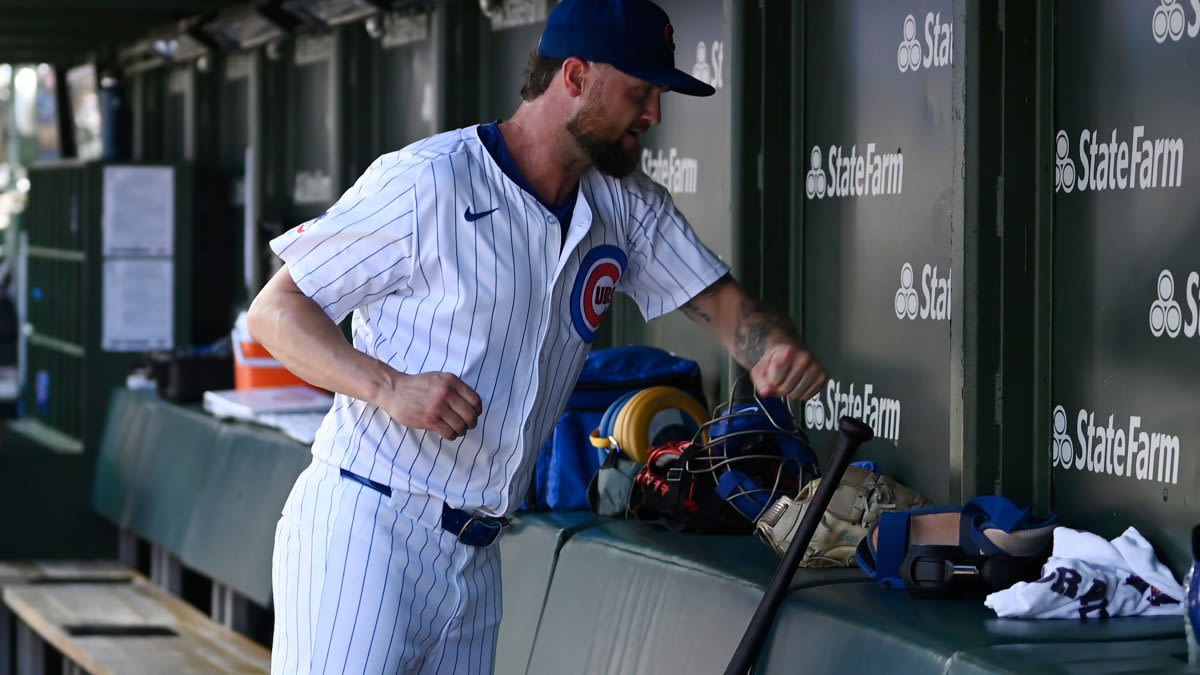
253	365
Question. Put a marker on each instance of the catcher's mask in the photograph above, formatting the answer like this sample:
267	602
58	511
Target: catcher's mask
755	452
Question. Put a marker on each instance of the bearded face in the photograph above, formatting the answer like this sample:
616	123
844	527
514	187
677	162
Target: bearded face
613	149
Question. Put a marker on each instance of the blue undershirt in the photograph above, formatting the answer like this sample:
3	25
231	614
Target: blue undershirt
493	140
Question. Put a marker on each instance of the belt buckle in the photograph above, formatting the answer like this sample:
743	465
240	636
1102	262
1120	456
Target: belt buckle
479	532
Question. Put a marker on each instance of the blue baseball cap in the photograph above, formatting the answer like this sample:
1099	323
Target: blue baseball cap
633	36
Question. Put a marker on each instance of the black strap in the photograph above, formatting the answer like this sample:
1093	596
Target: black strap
947	571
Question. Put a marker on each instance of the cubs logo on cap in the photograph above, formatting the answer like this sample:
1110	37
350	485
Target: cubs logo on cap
594	286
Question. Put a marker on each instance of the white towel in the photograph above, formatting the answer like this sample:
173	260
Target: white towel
1087	577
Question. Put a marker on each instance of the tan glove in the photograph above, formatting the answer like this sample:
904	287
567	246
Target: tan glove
857	502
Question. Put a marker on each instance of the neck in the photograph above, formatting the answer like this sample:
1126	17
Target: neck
544	152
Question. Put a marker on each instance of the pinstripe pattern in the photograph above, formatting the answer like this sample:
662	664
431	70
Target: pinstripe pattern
490	301
363	584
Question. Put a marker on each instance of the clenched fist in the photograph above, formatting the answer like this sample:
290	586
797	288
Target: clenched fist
788	370
439	402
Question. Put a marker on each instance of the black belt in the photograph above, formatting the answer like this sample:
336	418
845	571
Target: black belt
471	529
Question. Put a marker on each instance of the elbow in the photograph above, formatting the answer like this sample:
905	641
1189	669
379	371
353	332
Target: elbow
256	317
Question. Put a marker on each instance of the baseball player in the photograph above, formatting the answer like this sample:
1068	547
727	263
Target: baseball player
477	265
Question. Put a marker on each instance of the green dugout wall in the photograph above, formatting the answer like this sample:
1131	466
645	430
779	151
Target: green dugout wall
408	70
882	207
1020	296
1126	250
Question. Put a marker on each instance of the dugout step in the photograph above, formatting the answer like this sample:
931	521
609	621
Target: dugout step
126	628
64	571
50	572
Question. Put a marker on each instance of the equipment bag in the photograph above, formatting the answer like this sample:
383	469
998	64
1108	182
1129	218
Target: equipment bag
568	461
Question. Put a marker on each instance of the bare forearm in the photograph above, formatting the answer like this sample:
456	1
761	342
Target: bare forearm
745	326
300	335
764	341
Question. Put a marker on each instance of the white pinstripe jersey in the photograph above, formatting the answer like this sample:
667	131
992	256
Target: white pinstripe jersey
447	265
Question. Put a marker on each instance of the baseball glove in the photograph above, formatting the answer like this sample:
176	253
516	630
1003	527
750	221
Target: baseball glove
859	499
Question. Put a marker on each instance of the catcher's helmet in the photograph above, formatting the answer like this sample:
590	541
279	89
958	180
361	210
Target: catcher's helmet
755	453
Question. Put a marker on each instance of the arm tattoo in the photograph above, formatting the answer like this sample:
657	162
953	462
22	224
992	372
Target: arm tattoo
696	314
755	324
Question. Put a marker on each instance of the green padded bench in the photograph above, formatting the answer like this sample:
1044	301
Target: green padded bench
631	598
528	555
208	491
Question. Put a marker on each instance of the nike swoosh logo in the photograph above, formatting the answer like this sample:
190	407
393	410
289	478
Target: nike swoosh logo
472	217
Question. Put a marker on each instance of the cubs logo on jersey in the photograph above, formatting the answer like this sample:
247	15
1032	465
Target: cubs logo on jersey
594	286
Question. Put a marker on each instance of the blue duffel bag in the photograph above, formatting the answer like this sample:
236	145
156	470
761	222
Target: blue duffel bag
568	461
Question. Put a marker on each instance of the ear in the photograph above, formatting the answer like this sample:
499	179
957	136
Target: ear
575	72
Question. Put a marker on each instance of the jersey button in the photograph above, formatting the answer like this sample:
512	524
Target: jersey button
541	358
551	219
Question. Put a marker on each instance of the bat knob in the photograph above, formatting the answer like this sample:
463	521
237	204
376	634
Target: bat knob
855	429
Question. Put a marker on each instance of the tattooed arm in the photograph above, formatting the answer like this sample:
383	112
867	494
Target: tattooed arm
760	339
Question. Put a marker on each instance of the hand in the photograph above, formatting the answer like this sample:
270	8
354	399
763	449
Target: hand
439	402
788	370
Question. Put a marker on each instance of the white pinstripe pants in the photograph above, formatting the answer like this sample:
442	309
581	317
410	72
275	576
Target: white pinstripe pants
367	584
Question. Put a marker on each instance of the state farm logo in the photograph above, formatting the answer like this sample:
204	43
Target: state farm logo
939	44
814	180
1169	21
854	175
710	62
1166	314
1110	162
1061	448
669	169
934	301
1064	168
1114	448
880	413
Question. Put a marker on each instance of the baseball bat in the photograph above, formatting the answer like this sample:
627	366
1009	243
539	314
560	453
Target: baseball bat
851	434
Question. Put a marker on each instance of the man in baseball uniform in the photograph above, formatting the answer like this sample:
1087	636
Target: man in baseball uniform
476	265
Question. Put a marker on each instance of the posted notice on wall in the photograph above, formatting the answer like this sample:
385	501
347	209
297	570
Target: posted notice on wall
139	304
139	210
